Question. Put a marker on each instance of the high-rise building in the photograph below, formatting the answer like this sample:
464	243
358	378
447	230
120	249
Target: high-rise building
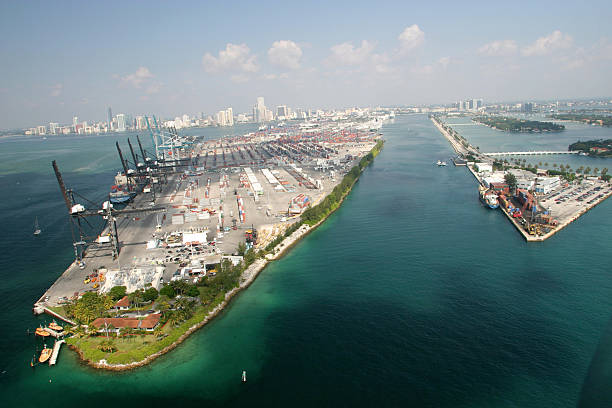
121	122
527	107
229	116
259	111
53	128
75	122
281	112
221	118
110	118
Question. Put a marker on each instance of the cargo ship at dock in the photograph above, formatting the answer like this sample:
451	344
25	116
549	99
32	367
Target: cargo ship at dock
488	198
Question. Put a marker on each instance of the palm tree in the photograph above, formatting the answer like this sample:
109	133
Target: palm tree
595	170
555	165
540	164
604	171
587	170
546	164
158	332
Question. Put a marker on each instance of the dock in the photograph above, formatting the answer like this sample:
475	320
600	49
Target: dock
570	212
56	350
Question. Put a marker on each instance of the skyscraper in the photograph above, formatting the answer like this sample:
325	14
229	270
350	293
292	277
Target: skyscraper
259	111
229	116
281	111
221	118
121	122
110	118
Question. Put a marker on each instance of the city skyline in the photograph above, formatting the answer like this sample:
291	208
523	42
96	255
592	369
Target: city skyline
210	60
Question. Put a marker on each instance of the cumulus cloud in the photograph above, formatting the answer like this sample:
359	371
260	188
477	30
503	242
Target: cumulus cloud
499	48
235	57
137	78
545	45
444	62
56	90
286	54
347	54
411	38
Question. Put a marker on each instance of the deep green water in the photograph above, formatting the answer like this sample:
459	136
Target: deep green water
412	294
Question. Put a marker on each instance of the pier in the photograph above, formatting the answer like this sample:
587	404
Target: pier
534	153
56	350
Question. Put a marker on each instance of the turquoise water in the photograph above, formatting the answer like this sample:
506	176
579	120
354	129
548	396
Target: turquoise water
412	294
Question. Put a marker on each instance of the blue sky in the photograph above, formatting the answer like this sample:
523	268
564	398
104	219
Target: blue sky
77	58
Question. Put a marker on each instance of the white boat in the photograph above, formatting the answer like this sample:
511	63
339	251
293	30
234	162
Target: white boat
37	230
244	376
441	163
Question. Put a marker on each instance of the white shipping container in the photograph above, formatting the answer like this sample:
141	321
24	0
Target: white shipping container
178	219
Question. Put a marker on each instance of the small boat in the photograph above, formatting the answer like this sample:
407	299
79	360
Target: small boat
37	230
45	354
441	163
244	376
56	327
42	332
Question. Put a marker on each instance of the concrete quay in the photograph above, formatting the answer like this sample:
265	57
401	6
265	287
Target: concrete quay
568	208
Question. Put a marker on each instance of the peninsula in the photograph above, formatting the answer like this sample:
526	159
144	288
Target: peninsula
538	202
508	124
196	228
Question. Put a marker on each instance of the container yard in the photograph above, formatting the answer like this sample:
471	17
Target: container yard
174	212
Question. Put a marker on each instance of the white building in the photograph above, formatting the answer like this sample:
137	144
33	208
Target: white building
482	167
221	119
545	185
229	116
121	122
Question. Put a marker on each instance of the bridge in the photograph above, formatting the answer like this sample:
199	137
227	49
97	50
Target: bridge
532	153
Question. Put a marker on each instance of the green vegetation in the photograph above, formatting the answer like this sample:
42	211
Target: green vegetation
117	292
600	148
508	124
510	179
89	307
317	213
591	119
182	305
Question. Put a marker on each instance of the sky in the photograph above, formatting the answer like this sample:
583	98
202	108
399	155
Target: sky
62	59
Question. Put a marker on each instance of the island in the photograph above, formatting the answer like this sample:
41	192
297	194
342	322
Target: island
508	124
195	231
591	119
599	148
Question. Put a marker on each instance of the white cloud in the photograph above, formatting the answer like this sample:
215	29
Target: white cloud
239	78
545	45
286	54
347	54
444	62
235	57
56	90
269	77
411	38
499	48
154	88
137	78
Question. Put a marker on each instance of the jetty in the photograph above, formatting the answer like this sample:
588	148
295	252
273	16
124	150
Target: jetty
56	350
